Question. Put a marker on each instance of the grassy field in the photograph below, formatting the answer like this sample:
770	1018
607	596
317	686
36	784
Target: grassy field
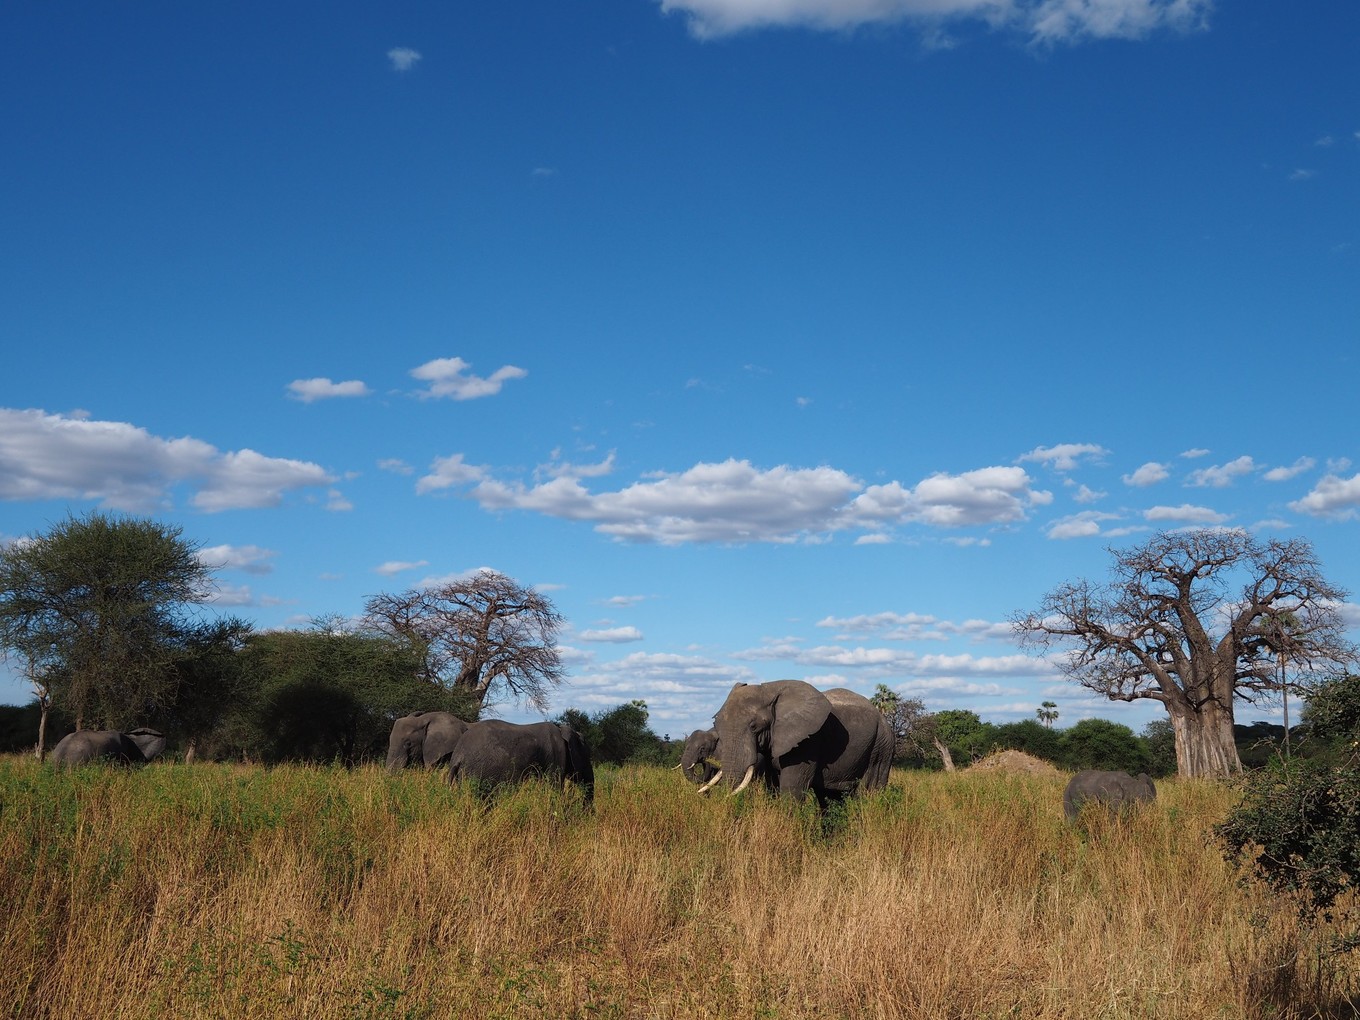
238	892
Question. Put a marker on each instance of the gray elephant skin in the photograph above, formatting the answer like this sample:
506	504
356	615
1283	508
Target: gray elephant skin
1116	790
423	738
695	762
135	747
493	753
831	743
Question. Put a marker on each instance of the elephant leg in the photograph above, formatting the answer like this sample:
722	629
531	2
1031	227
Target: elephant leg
796	780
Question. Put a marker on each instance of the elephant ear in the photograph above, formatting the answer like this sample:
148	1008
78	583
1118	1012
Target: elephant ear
800	710
150	742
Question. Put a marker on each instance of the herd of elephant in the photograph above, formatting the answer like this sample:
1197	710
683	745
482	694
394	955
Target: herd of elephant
786	734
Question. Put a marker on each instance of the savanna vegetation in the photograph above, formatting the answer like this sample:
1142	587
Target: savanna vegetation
215	890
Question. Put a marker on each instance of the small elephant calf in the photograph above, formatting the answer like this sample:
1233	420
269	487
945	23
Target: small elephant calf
1116	790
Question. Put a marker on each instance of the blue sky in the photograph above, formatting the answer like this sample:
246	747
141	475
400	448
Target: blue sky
769	338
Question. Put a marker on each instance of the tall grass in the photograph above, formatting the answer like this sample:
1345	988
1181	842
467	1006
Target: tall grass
220	891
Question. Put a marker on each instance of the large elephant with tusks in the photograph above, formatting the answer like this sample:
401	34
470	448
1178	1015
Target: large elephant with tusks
135	747
801	739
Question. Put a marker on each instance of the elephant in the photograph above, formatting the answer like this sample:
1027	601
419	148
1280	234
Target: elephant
423	738
135	747
831	743
495	753
700	747
1116	790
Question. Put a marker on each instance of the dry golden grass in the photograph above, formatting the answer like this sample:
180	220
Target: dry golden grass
217	891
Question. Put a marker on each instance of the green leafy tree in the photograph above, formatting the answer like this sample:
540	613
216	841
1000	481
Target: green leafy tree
99	609
913	727
1047	713
486	636
1101	744
966	736
618	735
1029	736
328	694
1298	823
1195	620
1161	748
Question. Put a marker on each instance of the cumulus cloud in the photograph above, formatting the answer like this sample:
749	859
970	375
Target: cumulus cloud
1044	21
123	467
734	501
252	559
447	472
309	390
449	377
403	58
1331	497
1184	514
890	626
1083	525
1064	456
1284	474
394	567
1149	474
1221	475
612	635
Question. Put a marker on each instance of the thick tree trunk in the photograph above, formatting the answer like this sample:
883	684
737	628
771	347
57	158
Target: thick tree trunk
1204	740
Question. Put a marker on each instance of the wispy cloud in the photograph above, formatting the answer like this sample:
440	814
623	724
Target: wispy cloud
1284	474
612	635
309	390
403	58
1064	456
1044	21
252	559
1221	475
394	567
449	377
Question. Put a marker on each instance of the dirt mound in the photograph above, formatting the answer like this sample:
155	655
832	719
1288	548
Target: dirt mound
1015	761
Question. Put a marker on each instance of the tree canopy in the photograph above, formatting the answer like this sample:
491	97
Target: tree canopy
99	609
1196	620
486	635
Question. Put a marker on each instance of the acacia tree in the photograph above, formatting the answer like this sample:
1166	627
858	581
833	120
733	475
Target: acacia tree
914	729
1192	619
486	635
97	609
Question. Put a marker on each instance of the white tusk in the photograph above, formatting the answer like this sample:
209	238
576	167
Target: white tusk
745	780
711	783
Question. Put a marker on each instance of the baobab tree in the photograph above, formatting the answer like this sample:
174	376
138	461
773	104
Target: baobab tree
485	634
1197	620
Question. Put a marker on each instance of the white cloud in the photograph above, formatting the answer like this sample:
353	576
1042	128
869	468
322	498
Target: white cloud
1086	524
1284	474
1085	494
1184	514
396	466
1302	175
612	635
1195	452
734	501
121	466
446	472
403	58
449	377
1064	456
393	567
252	559
1045	21
1149	474
1221	475
1331	497
308	390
